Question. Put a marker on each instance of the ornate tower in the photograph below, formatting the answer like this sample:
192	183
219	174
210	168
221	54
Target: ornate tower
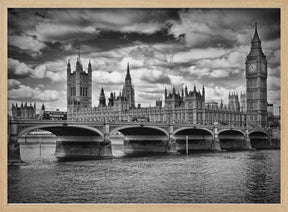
233	101
128	90
256	84
79	87
102	99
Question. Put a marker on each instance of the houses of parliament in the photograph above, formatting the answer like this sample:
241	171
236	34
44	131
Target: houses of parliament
186	106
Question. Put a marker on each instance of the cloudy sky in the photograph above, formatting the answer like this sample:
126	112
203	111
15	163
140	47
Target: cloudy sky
165	47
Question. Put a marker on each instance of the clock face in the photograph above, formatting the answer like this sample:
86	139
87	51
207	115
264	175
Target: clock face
252	68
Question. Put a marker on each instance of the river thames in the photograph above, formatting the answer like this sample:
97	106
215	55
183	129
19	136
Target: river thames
226	177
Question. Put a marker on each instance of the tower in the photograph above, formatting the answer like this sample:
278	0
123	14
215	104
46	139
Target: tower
233	101
128	90
24	111
243	102
102	99
111	100
79	87
256	84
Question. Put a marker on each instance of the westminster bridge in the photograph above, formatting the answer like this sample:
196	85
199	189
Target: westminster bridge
92	140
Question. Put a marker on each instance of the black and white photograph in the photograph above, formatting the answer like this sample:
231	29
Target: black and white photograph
144	105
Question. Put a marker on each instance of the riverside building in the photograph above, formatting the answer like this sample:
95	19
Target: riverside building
184	106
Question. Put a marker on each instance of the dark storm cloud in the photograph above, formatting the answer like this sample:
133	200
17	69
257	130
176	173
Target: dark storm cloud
163	47
220	27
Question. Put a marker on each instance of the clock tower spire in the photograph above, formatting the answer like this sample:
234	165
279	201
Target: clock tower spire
256	84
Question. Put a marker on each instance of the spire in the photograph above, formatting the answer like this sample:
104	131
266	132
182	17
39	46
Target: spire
256	38
43	106
102	99
89	64
128	77
102	91
68	68
256	49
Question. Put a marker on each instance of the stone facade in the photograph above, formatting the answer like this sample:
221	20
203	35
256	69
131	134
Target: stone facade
190	106
79	88
24	111
256	84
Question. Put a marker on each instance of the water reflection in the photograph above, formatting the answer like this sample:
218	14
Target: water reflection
230	177
263	177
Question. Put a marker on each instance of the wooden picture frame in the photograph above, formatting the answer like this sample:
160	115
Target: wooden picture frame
5	4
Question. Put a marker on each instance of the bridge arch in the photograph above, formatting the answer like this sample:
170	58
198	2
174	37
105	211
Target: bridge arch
258	131
136	129
238	130
196	128
232	139
60	130
197	139
143	139
259	139
74	141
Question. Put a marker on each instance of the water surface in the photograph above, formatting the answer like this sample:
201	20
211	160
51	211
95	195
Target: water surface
229	177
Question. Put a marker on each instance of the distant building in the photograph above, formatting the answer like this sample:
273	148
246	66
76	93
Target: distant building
24	111
270	110
256	84
273	120
79	87
243	101
184	106
128	90
102	99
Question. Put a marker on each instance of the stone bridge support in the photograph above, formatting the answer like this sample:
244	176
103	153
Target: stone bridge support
13	145
171	139
107	147
216	141
247	140
73	141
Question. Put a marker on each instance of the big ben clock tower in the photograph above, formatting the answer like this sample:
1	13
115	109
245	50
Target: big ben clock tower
256	84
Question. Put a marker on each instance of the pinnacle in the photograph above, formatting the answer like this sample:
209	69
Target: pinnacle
256	36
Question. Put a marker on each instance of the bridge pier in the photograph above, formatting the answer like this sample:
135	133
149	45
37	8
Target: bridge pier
216	141
84	147
81	147
171	140
106	149
248	145
13	145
